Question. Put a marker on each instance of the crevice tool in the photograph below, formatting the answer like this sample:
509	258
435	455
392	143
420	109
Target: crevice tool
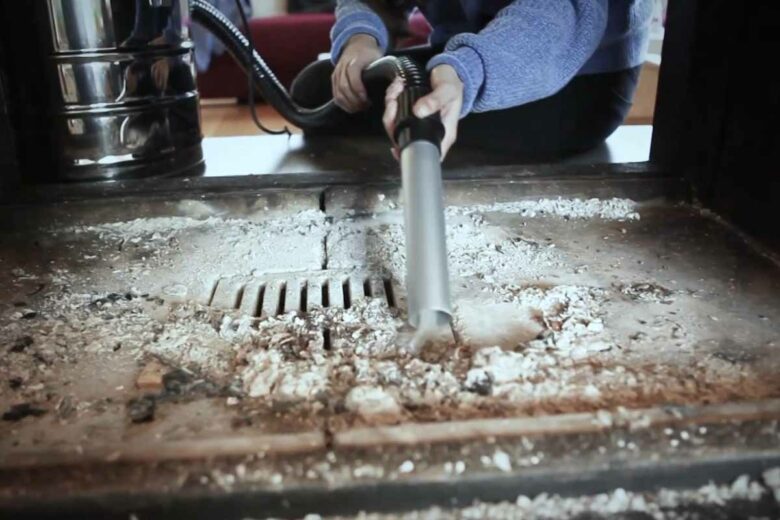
427	276
419	141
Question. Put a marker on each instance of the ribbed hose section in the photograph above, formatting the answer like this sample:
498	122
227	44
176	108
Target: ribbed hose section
383	71
411	73
378	75
266	81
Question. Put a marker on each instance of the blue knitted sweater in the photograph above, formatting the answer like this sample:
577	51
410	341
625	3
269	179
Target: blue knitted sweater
512	52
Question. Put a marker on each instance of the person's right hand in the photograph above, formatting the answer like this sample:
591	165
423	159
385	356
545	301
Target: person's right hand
349	93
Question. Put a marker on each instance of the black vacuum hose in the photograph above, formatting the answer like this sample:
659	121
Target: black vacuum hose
265	80
377	77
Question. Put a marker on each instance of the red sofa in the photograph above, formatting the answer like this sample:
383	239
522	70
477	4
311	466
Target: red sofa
287	43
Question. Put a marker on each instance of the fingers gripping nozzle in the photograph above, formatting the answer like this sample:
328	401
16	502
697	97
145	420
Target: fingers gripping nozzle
408	127
419	140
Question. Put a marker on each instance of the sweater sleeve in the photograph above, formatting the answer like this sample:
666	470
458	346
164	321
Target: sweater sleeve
529	51
354	17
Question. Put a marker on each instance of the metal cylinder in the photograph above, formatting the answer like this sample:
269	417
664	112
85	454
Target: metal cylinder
102	89
427	277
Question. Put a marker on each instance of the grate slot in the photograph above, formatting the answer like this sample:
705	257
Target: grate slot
304	296
389	292
250	301
282	298
325	294
260	300
346	294
239	297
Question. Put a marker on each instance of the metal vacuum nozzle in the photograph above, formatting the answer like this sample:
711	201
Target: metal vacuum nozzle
427	276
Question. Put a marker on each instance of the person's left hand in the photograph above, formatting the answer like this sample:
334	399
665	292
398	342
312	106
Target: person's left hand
446	98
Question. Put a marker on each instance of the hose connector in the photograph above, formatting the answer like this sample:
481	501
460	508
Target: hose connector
408	127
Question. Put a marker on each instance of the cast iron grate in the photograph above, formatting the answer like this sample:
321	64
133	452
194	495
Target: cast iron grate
277	295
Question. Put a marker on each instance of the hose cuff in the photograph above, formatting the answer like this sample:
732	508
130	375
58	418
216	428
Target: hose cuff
409	128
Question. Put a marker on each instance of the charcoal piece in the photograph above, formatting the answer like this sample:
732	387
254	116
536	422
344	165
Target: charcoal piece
19	411
142	409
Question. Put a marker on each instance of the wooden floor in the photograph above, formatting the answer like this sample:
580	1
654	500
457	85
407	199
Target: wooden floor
225	117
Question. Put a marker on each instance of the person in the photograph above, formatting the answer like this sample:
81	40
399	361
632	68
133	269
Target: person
537	78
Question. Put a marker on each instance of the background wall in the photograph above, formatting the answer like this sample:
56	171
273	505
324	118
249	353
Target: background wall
268	7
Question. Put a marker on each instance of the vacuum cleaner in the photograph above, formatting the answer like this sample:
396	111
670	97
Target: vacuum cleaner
99	90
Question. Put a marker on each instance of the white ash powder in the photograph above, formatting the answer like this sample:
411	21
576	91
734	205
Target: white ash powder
284	359
163	228
370	401
657	505
475	248
607	209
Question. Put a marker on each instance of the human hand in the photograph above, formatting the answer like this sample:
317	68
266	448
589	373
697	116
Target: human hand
349	93
446	98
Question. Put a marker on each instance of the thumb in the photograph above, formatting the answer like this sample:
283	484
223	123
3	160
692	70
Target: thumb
428	105
388	118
